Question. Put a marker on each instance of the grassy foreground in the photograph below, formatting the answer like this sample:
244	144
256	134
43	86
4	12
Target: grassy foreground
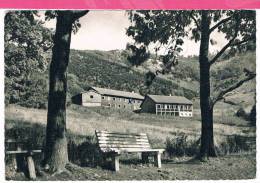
179	137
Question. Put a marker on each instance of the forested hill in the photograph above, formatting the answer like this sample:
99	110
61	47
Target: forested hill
111	70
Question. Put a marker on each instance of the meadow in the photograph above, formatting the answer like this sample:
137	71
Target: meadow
234	138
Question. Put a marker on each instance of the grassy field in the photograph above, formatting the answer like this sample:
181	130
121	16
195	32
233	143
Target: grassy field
179	136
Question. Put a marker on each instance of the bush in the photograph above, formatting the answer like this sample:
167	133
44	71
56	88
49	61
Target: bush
253	115
241	113
84	151
234	144
180	146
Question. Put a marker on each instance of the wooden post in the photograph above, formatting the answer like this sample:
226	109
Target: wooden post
115	161
157	160
19	158
14	161
31	167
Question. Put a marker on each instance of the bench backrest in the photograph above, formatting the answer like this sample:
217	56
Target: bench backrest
13	146
113	141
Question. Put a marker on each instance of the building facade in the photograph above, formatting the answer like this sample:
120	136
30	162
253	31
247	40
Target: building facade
95	97
167	105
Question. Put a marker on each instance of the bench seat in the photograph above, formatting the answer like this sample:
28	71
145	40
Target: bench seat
113	144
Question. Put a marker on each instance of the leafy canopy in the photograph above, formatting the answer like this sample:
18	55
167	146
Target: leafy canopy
26	44
166	30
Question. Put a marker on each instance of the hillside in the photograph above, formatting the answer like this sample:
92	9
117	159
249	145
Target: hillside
111	69
95	68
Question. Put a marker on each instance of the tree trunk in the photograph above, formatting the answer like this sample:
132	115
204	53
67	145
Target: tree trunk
56	154
207	139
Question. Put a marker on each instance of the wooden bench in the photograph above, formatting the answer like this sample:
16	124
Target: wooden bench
18	150
113	144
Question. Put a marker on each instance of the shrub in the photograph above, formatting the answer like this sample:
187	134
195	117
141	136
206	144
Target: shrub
253	115
241	113
234	144
84	151
180	146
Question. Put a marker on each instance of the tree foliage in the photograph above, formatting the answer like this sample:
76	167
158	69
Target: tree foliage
26	43
167	29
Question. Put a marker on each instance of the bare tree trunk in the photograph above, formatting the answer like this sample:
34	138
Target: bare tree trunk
56	154
207	137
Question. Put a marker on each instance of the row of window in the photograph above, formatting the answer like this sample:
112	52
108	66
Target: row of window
170	106
117	106
185	114
181	114
130	101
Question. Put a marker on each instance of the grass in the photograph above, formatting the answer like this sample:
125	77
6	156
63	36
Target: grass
179	136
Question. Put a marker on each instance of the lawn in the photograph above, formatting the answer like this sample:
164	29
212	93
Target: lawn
232	135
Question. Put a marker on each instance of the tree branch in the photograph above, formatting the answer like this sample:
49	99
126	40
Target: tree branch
219	23
243	41
78	14
249	75
195	20
213	60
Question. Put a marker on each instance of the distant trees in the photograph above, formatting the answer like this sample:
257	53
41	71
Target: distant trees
26	43
56	152
166	30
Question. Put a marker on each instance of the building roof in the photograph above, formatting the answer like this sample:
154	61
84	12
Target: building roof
169	99
105	91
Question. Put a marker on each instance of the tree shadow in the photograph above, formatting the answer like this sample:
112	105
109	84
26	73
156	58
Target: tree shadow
191	161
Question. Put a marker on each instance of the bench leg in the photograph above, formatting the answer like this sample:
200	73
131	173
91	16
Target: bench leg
31	168
115	161
157	160
145	158
14	163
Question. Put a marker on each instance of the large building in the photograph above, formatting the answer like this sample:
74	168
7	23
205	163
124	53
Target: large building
167	105
108	98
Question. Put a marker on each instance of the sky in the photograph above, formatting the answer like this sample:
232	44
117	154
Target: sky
105	30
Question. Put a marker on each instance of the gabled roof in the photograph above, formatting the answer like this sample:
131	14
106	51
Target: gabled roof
110	92
169	99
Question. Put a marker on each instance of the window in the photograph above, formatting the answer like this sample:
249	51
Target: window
133	101
109	105
103	97
119	106
158	106
124	106
91	96
114	98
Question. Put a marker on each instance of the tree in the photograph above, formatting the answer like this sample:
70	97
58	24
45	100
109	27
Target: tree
166	30
26	41
55	154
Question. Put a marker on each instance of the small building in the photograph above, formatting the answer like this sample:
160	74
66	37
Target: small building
167	105
95	97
